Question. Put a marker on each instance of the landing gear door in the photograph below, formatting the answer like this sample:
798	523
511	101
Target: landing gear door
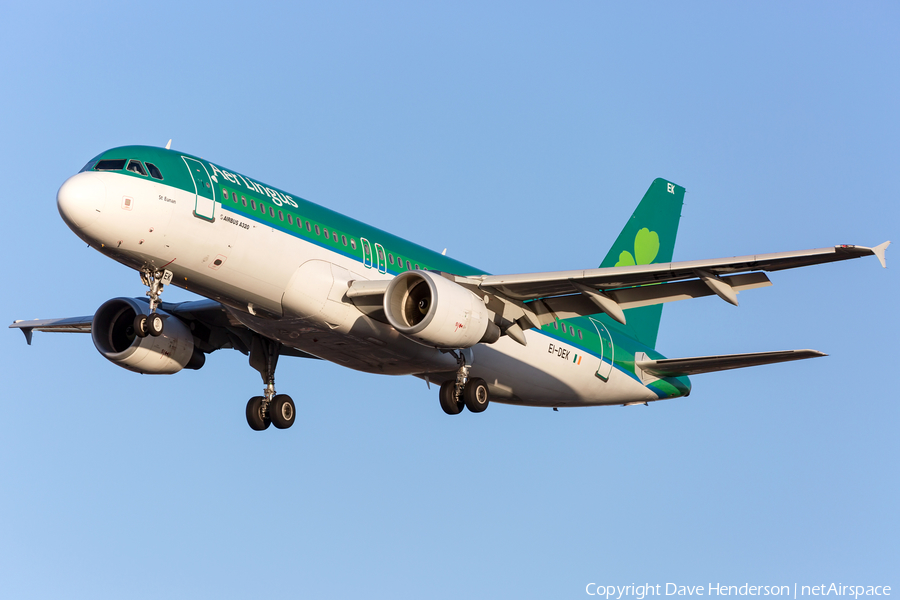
607	350
205	205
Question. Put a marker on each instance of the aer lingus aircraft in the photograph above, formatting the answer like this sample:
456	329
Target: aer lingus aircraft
285	277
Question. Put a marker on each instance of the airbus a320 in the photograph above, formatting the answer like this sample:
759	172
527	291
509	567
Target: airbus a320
281	276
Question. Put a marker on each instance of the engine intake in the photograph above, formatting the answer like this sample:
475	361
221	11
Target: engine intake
436	312
112	330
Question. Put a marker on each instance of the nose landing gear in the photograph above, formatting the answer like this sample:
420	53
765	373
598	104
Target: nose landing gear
153	323
145	325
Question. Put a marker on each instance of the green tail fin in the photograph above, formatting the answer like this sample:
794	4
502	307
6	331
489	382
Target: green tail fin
648	238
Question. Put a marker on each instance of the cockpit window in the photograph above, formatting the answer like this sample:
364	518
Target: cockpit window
110	165
135	166
154	172
88	166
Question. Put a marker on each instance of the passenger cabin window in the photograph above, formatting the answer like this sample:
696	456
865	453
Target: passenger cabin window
334	236
225	194
290	220
244	200
135	166
353	243
234	197
110	165
317	229
580	337
390	258
325	229
272	212
252	204
155	173
344	239
280	216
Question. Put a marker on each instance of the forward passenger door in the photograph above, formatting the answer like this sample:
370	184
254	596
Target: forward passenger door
205	204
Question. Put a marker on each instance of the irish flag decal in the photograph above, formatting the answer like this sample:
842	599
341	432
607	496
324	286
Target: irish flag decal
577	360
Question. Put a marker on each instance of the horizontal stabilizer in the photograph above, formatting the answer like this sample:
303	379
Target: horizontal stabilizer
673	367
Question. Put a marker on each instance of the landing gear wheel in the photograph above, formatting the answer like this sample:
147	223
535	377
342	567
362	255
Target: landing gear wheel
255	418
154	324
449	402
476	395
141	328
282	411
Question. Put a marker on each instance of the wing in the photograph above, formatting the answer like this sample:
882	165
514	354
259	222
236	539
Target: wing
211	324
531	300
67	325
541	285
564	294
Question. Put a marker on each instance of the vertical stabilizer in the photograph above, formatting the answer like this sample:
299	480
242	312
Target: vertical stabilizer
648	238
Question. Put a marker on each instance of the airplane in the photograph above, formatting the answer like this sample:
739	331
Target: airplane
281	276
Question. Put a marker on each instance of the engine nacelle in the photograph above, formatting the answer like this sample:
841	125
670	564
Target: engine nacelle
112	330
436	312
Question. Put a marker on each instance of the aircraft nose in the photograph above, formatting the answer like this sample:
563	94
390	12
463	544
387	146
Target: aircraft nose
81	199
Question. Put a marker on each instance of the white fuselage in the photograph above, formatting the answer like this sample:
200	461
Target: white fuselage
292	290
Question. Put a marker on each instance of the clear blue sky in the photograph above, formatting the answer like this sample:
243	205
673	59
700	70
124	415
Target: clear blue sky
520	136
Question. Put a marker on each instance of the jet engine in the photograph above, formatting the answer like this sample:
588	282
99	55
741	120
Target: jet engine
112	330
436	312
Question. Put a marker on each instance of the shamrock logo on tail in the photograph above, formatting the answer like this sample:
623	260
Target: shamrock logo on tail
646	247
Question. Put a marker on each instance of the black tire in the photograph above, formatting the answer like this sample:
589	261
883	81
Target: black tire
282	411
476	395
449	402
255	419
155	325
140	326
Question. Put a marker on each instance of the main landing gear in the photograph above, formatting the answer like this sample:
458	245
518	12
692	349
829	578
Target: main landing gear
271	408
153	323
465	392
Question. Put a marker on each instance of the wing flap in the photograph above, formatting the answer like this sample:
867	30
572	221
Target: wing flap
673	367
568	307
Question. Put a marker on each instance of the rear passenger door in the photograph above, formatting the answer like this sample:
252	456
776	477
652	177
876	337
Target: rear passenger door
607	351
367	252
205	204
381	260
